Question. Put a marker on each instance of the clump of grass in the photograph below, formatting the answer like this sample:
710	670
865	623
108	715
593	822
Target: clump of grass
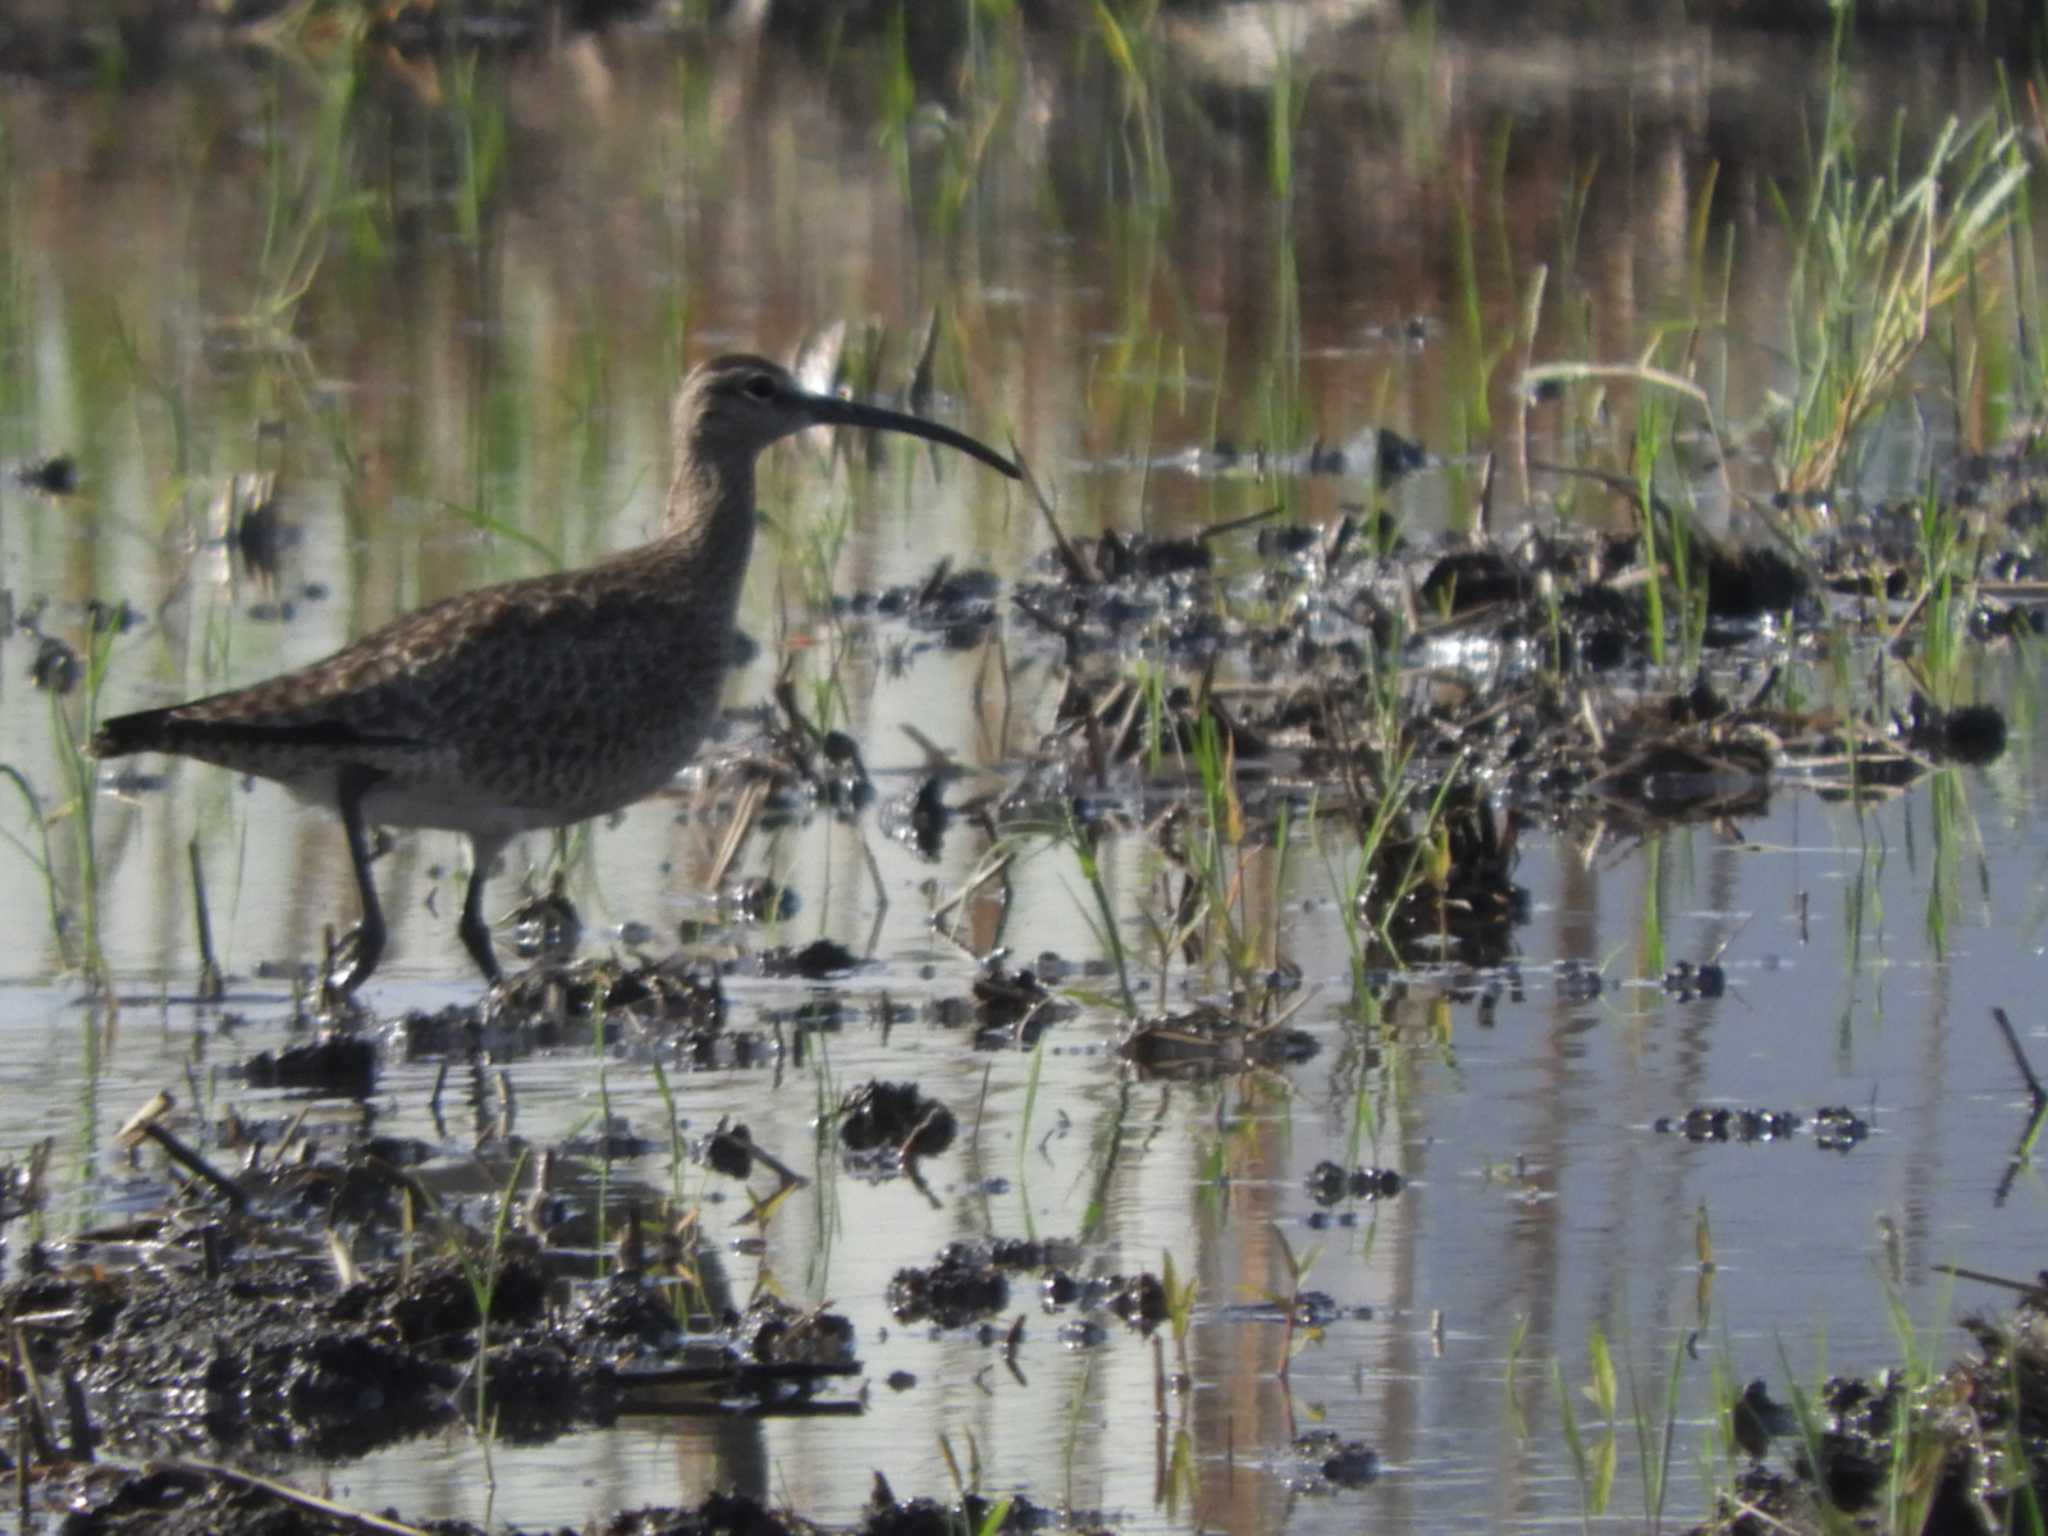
1079	838
1124	33
78	938
38	856
482	1273
1592	1465
1874	257
1299	1267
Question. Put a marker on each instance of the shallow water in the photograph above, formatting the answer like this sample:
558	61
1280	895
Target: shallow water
486	343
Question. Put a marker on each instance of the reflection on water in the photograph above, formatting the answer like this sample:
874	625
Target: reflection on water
443	302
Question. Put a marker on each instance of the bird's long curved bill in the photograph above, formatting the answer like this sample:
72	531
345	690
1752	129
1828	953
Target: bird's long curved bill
831	411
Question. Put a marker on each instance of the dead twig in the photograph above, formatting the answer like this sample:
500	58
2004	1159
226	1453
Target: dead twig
360	1519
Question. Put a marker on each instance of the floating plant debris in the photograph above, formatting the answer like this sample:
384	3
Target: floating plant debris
1834	1129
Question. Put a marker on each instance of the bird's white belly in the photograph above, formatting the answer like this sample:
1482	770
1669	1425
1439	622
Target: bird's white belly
454	807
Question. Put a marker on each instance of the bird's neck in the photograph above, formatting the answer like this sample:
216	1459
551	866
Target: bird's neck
708	528
709	492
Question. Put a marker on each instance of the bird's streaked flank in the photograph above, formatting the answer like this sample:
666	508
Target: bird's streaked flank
535	703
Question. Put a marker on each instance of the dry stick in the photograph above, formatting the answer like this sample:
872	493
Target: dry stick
181	1154
903	1152
791	1179
937	760
291	1134
78	1419
1070	557
1070	633
737	830
881	892
1236	524
934	584
2024	1287
41	1435
918	1182
361	1519
160	1104
211	983
2039	1117
975	882
1484	530
2019	1056
991	657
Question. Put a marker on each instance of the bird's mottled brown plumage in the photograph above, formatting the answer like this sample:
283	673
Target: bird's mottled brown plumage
534	703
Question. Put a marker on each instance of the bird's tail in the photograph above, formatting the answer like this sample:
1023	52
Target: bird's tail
143	731
178	728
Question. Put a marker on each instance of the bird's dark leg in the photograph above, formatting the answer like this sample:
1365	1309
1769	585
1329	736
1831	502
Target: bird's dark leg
476	933
356	782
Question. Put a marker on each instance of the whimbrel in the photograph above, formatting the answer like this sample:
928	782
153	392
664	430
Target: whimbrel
534	703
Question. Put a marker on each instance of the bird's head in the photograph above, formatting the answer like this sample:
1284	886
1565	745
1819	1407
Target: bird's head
732	407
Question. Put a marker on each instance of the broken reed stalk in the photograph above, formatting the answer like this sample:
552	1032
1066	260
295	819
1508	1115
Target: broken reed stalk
184	1156
77	1418
2019	1056
211	983
752	798
2022	1153
285	1492
36	1413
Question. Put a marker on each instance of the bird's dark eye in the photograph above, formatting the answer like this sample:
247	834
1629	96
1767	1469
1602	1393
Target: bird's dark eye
759	387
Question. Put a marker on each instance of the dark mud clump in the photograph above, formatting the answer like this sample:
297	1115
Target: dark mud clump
55	475
1836	1128
264	1356
255	1332
1139	1300
340	1063
1009	1008
819	960
1686	981
895	1121
1967	1451
963	1287
887	1516
1328	1184
970	1281
772	1333
727	1150
1717	1122
188	1500
1973	734
669	1002
1325	1462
